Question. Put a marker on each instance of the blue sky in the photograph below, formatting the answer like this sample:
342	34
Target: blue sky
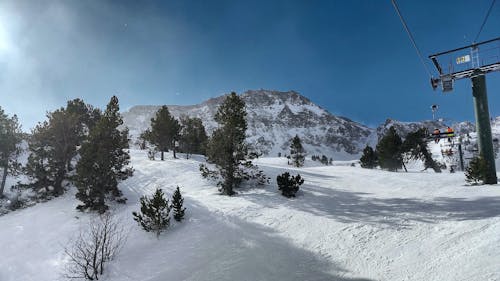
351	57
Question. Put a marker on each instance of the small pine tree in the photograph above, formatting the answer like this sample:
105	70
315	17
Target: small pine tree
369	158
177	202
389	151
297	152
155	213
476	171
289	185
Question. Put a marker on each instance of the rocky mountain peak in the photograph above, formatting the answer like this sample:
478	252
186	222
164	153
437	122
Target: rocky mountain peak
274	117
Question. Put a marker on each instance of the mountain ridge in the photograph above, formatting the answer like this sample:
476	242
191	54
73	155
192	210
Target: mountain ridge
274	117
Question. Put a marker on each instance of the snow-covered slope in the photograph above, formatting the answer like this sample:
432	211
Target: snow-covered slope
347	223
273	119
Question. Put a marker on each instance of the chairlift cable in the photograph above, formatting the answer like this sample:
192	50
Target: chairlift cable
411	37
484	22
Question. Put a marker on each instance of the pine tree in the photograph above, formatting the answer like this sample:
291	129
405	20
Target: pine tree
144	138
87	115
369	158
476	171
193	138
227	148
10	139
415	147
38	168
289	185
164	131
103	162
297	152
324	160
177	202
155	213
53	146
389	151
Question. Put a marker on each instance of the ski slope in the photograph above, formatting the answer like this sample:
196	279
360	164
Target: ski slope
347	223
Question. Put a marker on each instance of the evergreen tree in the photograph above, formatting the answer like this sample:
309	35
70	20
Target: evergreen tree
177	202
10	138
37	169
87	115
324	160
476	171
297	152
415	146
155	213
145	138
53	146
103	161
227	148
164	131
369	158
289	185
193	137
389	151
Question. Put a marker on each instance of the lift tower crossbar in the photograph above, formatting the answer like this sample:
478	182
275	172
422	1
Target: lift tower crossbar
463	63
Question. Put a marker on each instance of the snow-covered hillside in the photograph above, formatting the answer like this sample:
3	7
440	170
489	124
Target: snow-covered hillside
273	119
347	223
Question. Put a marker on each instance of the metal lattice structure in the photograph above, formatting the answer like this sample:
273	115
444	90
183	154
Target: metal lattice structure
463	62
474	62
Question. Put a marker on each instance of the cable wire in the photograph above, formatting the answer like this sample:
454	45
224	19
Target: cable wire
411	37
485	19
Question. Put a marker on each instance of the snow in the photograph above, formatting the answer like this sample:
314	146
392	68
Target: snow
270	126
347	223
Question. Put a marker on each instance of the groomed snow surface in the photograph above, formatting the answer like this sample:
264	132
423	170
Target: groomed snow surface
347	223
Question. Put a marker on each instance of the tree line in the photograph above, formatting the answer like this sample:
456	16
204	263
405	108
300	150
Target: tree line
77	144
392	152
167	133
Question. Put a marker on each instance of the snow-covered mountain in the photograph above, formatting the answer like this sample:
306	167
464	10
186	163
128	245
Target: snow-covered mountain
273	119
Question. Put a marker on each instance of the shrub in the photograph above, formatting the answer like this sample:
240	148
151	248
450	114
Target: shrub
475	173
155	213
99	243
289	185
